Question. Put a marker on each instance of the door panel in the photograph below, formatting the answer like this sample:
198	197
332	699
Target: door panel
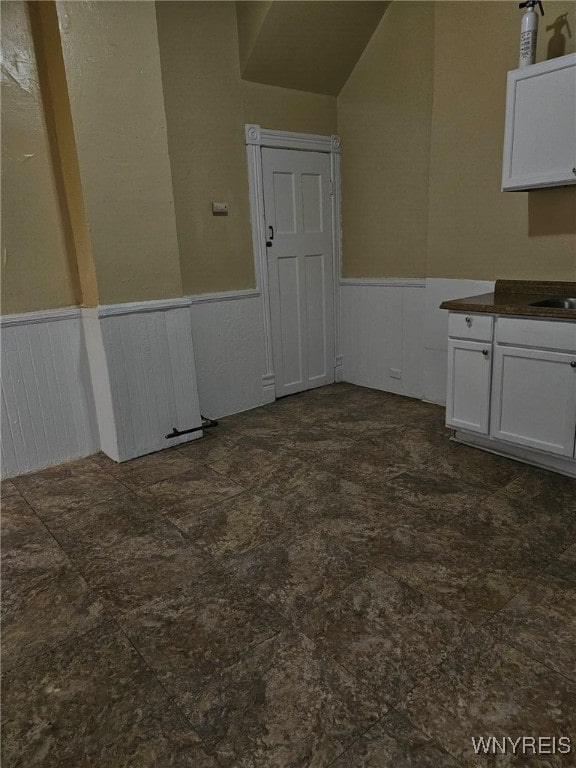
534	399
285	197
290	311
298	207
468	396
312	202
315	313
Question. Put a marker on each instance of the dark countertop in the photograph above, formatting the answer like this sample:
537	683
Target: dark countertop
513	297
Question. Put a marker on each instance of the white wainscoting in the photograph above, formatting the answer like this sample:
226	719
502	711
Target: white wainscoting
120	377
230	352
436	330
144	375
396	325
382	342
48	414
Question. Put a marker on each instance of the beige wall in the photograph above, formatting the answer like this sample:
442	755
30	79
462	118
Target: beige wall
160	136
203	99
44	19
37	269
207	105
421	192
384	114
475	230
286	109
250	15
112	67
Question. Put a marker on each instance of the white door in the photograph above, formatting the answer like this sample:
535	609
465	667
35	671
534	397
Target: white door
298	212
534	399
468	396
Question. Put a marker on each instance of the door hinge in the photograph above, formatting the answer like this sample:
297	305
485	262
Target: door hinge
331	187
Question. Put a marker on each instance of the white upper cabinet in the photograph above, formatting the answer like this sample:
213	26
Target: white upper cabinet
540	133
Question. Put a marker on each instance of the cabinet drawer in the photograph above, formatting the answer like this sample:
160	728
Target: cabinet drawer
540	333
470	326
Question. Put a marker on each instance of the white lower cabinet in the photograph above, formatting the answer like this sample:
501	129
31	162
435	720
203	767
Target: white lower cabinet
514	392
468	400
534	399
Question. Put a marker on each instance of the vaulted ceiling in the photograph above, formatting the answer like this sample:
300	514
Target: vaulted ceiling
310	46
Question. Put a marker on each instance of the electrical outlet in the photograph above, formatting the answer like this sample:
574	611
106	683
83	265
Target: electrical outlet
395	373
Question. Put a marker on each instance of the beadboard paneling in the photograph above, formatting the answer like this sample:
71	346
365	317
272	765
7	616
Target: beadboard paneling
151	376
230	354
382	334
48	412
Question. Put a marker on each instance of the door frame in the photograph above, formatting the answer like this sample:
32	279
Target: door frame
256	138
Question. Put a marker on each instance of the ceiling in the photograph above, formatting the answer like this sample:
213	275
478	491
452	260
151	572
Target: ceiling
310	46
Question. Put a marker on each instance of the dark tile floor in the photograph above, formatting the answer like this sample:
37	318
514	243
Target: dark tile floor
325	581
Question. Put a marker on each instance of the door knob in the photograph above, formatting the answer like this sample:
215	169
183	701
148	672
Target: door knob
573	364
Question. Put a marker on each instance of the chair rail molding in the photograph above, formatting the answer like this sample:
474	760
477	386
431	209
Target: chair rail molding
208	298
137	307
40	316
256	138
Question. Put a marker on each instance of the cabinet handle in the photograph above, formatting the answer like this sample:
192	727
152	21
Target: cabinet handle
468	321
574	170
573	364
485	353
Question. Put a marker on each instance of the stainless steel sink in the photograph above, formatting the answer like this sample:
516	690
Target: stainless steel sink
559	302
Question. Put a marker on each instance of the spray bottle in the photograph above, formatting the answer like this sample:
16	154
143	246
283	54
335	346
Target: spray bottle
529	32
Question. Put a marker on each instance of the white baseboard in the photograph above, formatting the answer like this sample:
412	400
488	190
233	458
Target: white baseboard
48	414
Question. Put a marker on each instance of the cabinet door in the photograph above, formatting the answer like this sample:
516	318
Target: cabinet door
540	135
468	396
534	399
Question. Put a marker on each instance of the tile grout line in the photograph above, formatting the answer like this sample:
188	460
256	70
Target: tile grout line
216	564
167	693
113	621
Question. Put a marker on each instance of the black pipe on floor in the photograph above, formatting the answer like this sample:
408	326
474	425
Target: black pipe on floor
206	424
